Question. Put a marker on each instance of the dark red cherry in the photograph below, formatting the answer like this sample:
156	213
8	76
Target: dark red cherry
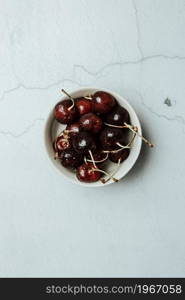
117	116
86	173
121	155
62	143
110	136
65	113
73	129
83	105
103	102
83	142
71	159
91	122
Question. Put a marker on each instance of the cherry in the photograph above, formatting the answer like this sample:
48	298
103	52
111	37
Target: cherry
83	142
61	143
73	129
86	173
71	159
109	137
120	155
91	122
65	112
83	105
103	102
117	116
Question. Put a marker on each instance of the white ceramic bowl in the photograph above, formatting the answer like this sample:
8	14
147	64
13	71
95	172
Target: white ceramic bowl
52	128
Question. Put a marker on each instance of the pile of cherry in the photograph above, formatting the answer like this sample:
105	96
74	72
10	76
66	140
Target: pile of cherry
97	130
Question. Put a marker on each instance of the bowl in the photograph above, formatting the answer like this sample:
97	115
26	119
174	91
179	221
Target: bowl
53	128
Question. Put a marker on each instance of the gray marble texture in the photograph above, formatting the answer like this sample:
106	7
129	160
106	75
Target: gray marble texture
49	227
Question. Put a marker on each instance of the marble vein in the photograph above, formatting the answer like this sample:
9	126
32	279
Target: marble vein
25	131
178	118
26	87
76	68
138	28
91	73
133	62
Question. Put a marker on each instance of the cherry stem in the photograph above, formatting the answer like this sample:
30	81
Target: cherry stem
95	169
128	146
89	97
107	174
73	102
60	134
92	158
132	139
56	155
114	172
66	131
133	129
117	150
98	161
116	126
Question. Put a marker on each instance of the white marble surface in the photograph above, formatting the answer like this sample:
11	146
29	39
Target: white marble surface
49	227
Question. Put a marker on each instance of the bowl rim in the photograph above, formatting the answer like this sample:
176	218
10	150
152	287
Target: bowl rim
48	124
